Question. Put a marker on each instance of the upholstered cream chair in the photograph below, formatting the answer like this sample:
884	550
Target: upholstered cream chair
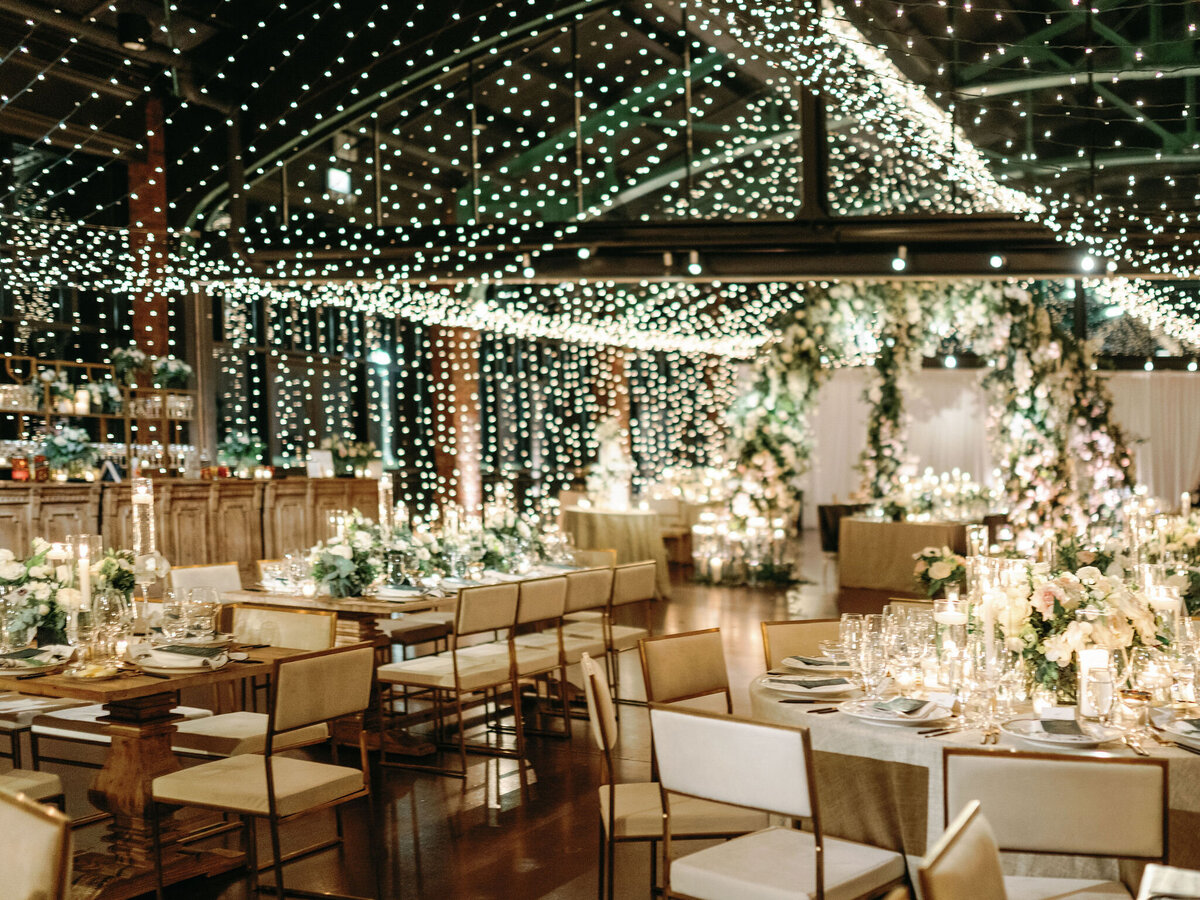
296	629
964	862
1084	822
764	767
450	676
633	811
306	691
687	669
37	849
796	638
633	584
222	577
588	590
44	787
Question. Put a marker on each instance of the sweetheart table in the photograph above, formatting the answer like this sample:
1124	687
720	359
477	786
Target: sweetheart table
882	784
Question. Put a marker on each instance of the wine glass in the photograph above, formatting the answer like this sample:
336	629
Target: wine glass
410	566
113	620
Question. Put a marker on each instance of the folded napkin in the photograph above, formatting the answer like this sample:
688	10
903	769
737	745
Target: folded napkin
814	662
178	656
398	593
1065	727
32	657
904	706
1192	724
808	682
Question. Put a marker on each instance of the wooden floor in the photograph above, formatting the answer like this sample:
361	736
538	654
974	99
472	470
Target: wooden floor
488	838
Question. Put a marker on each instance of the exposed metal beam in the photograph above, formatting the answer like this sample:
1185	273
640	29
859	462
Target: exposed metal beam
1063	79
89	31
69	74
41	128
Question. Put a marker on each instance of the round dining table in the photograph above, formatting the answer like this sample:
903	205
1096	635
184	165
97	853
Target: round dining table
882	784
635	534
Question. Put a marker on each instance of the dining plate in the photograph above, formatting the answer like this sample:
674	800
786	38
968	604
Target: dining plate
867	711
182	670
92	672
793	684
1182	733
1029	728
219	640
798	664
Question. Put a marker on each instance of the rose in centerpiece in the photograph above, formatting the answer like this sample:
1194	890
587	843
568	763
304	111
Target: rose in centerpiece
346	566
936	568
34	588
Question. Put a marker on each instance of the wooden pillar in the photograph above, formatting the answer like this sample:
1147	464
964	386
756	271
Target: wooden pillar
611	390
457	435
148	231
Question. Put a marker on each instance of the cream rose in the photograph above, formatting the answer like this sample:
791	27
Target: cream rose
940	571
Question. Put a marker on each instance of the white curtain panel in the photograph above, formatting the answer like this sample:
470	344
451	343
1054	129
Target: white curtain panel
949	429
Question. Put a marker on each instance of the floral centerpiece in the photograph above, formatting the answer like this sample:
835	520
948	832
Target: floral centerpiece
114	571
349	454
346	566
937	568
105	397
128	362
38	593
170	372
70	449
240	450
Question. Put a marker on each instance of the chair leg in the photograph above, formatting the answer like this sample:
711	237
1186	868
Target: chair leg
600	864
250	832
462	736
275	849
653	866
612	868
375	848
520	726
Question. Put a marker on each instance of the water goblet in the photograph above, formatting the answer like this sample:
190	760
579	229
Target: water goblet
174	616
203	605
1100	689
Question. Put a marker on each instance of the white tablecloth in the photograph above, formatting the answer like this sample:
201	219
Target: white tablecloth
877	783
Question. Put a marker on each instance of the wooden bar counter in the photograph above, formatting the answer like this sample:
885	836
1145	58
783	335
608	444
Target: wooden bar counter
199	522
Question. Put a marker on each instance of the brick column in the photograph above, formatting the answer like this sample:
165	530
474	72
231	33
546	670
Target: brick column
148	231
457	437
611	389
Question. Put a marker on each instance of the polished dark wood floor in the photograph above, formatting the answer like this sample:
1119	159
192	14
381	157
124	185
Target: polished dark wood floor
488	837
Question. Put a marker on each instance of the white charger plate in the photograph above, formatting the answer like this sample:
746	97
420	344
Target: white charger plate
183	670
795	664
772	682
1029	728
866	711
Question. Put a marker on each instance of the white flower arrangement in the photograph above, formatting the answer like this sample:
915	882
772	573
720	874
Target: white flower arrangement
170	372
127	362
67	446
105	396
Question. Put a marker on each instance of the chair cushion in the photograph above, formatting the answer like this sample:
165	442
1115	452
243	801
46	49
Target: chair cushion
1025	887
438	671
38	786
584	615
239	732
412	630
80	723
639	814
780	863
573	647
239	784
624	637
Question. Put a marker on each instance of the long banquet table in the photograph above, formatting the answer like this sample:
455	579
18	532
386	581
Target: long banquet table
140	725
882	785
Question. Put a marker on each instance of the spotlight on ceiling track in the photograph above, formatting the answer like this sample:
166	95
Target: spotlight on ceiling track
527	269
133	31
1088	263
1149	366
900	260
693	266
1192	366
997	261
950	362
379	358
1111	266
584	252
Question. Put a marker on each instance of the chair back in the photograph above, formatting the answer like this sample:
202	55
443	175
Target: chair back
222	577
317	687
589	588
734	760
784	639
37	849
541	599
687	669
299	629
486	607
595	557
964	862
1085	821
635	582
602	715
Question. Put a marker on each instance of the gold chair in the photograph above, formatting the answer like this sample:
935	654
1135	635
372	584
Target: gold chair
1085	821
765	767
633	811
964	862
687	669
37	849
633	584
592	558
796	638
484	609
297	629
222	577
306	691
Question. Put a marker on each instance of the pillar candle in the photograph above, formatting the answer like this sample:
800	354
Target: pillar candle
85	574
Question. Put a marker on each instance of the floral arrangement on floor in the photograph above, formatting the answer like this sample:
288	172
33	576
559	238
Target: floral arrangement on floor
69	447
936	568
170	372
105	397
39	593
240	450
127	362
347	566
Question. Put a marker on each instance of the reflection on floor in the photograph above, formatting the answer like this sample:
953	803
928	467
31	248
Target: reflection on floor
489	839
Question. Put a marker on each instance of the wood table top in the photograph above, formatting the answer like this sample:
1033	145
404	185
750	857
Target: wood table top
131	687
355	605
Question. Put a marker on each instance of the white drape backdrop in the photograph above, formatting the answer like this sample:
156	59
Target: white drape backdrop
1158	410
